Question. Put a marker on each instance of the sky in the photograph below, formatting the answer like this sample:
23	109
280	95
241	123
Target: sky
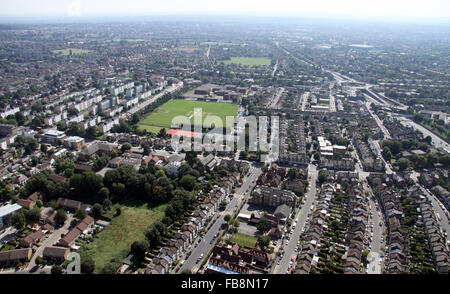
360	8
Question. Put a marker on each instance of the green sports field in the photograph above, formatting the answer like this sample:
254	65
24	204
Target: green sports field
250	61
162	116
244	240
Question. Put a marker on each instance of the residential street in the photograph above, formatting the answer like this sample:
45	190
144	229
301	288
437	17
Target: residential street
204	243
302	216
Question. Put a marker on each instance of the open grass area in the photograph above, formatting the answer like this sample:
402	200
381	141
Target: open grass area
115	240
67	51
187	49
153	129
162	116
219	44
244	240
128	40
249	61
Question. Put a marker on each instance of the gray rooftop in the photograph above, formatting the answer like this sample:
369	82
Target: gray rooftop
9	208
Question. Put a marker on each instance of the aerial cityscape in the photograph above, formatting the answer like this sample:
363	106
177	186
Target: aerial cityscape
223	144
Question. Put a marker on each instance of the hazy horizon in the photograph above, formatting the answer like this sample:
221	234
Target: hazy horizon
73	10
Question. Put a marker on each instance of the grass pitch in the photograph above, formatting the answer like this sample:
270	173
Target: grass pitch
162	116
249	61
244	240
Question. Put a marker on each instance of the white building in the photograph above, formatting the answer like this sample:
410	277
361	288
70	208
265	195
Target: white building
52	136
172	168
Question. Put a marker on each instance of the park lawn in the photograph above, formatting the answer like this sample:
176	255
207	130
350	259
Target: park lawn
115	240
244	240
74	51
249	61
163	115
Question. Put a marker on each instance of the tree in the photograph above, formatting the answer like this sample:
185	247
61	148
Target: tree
60	217
86	185
44	148
125	147
56	270
403	164
109	269
37	107
87	265
432	158
323	176
191	158
162	133
80	214
263	225
147	149
34	215
263	241
103	193
107	204
18	220
227	217
188	182
97	210
139	248
153	236
20	118
293	173
236	223
186	272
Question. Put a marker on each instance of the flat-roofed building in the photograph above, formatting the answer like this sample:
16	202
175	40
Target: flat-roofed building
53	136
6	212
74	142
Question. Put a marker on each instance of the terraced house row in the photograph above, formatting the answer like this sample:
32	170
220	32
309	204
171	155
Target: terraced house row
189	231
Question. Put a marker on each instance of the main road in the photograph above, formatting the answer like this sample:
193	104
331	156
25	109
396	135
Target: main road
205	243
302	216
